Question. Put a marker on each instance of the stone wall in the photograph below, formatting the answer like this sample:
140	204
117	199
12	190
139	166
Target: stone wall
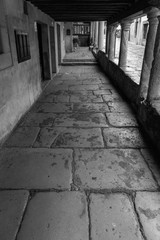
20	83
120	79
148	115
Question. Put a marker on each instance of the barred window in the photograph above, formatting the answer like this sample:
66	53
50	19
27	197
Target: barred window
22	45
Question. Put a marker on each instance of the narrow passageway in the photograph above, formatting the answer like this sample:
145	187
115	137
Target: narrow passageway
77	166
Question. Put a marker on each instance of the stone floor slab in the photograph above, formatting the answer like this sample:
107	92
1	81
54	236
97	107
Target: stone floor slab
123	138
104	79
39	119
90	107
80	92
153	162
148	208
84	87
12	206
52	98
73	82
52	107
52	88
102	92
22	137
76	138
103	86
113	218
111	98
56	216
112	169
78	98
91	81
46	137
122	119
81	120
119	106
35	168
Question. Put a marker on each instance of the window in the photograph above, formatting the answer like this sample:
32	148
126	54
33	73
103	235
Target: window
68	32
22	45
79	29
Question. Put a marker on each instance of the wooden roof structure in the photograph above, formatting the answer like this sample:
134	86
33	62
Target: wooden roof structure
90	10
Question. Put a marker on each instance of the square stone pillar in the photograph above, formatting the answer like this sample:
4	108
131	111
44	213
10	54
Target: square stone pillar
152	15
125	28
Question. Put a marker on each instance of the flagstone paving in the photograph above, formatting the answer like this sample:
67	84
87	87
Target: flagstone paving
78	167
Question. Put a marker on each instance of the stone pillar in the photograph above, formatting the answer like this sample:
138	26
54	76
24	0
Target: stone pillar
125	27
101	35
149	51
96	34
92	32
112	38
107	39
154	82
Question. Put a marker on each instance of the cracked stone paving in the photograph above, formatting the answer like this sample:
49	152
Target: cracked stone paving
78	167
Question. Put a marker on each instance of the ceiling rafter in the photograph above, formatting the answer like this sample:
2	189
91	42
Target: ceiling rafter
92	10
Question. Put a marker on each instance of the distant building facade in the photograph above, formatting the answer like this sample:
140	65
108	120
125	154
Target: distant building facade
139	30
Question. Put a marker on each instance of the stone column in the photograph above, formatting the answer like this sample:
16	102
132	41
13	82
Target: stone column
149	51
125	27
107	39
154	82
92	32
101	35
96	34
112	38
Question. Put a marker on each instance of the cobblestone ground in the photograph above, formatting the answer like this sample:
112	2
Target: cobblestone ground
77	167
134	60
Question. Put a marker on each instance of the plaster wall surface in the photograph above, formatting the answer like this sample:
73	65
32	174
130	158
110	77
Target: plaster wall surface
20	83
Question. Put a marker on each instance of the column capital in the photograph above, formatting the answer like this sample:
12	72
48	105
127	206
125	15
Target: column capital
113	27
125	24
152	13
155	3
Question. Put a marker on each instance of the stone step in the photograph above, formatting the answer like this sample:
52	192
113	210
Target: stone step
79	60
78	63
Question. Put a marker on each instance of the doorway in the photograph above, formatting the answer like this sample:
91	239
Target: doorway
43	44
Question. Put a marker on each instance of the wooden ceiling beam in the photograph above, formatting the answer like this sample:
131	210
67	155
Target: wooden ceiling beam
63	2
137	7
110	10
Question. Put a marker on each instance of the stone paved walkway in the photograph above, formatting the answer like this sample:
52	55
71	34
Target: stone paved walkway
77	167
81	54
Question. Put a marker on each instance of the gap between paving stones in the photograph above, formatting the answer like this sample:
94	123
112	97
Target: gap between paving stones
23	215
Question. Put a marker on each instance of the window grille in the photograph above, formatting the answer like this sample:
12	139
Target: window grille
22	45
